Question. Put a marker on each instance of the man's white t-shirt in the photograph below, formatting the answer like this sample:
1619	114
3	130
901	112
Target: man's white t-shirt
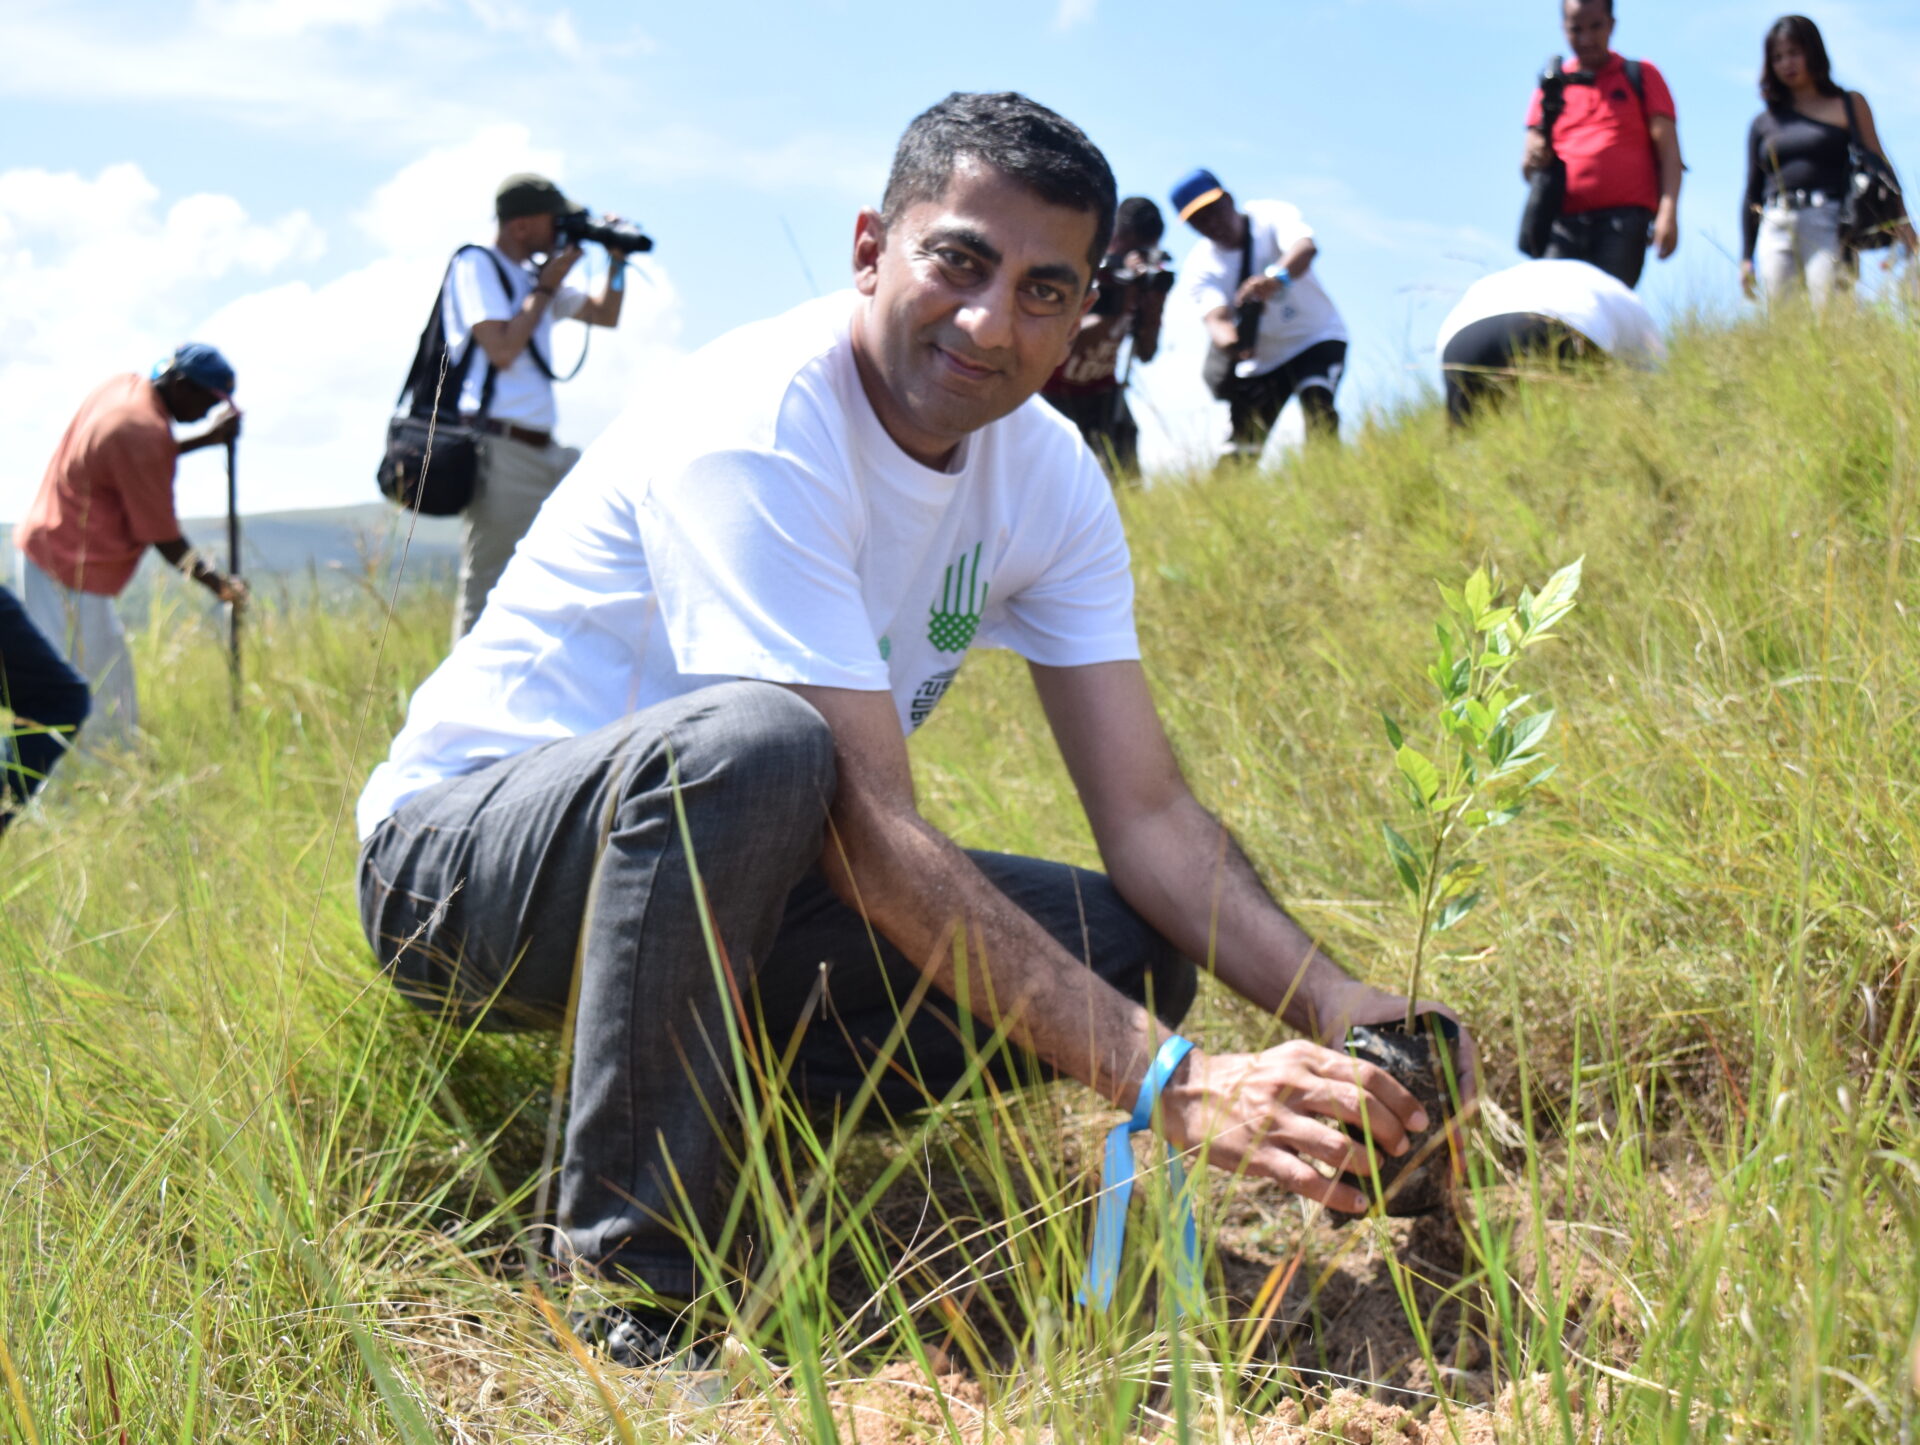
522	395
753	519
1301	315
1579	296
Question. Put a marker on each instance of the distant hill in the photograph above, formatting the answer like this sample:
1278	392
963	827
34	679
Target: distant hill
332	545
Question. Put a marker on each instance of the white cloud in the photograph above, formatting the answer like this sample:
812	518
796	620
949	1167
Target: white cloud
97	277
1073	12
293	17
433	204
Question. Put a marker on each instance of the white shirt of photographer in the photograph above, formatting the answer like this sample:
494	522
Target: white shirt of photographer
1302	315
522	395
751	518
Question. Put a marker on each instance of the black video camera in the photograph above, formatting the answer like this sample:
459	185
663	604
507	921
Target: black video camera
574	227
1116	278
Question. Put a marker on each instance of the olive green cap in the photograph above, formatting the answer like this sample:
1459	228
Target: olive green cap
526	194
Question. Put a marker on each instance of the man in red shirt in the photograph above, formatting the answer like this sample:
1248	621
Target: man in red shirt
1622	149
106	497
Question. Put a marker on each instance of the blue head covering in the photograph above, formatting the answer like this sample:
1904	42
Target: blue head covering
200	364
1196	192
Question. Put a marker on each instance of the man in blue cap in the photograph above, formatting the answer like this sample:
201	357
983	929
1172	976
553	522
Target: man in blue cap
106	497
1274	332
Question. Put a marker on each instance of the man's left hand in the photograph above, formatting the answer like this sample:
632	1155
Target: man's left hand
1666	232
615	258
1256	288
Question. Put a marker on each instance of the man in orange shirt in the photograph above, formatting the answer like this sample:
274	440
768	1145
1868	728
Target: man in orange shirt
106	497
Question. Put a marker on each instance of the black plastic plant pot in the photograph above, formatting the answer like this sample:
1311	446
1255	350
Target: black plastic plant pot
1420	1181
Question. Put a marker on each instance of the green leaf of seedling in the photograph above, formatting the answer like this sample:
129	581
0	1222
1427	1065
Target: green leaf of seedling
1455	910
1418	769
1461	680
1406	863
1452	800
1500	744
1394	736
1478	593
1541	777
1505	704
1500	644
1556	598
1524	608
1482	718
1500	817
1528	732
1499	617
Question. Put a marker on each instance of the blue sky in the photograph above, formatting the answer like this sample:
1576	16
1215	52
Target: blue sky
286	177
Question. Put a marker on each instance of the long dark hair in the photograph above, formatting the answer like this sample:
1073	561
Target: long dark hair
1803	33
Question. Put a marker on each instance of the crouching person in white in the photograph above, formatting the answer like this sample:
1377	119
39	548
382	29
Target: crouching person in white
745	597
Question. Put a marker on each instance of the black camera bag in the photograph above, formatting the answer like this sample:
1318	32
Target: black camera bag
1547	189
433	451
1873	207
1218	369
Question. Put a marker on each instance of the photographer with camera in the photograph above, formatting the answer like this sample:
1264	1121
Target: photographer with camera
1087	387
506	303
1274	330
1611	122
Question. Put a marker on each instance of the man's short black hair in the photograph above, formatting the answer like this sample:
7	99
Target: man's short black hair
1608	3
1139	218
1045	152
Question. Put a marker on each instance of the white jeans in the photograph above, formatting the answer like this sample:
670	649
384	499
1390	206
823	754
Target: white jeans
85	629
1802	248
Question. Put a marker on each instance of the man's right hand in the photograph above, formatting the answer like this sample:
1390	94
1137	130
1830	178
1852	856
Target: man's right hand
554	269
1538	155
1265	1114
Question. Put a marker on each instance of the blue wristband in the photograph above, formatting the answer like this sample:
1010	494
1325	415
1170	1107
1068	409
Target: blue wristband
617	278
1116	1189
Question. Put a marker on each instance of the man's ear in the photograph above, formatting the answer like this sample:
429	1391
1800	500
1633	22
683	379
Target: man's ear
869	240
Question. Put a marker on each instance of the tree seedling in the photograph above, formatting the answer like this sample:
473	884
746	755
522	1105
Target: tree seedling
1485	756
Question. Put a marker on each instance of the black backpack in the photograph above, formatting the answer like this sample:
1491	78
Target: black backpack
432	451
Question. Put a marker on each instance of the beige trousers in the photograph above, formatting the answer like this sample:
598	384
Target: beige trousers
85	629
512	480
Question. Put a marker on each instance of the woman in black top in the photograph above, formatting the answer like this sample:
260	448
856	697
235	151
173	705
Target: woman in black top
1797	169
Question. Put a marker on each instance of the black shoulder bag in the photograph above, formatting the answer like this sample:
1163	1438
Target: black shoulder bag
1218	372
1873	208
433	451
1547	189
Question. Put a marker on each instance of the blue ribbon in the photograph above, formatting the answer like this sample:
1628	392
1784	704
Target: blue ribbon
1116	1189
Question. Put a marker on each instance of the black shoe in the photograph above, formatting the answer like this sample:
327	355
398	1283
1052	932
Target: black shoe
639	1339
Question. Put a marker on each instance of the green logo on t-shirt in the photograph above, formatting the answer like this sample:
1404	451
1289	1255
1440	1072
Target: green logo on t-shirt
956	615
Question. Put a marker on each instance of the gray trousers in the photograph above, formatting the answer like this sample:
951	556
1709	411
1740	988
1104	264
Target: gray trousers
479	893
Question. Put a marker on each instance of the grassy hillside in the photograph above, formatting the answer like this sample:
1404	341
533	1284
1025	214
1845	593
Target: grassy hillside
248	1198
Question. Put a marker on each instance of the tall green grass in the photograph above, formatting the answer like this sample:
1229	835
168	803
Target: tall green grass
246	1196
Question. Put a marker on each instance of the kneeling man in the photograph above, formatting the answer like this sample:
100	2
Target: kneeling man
693	686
